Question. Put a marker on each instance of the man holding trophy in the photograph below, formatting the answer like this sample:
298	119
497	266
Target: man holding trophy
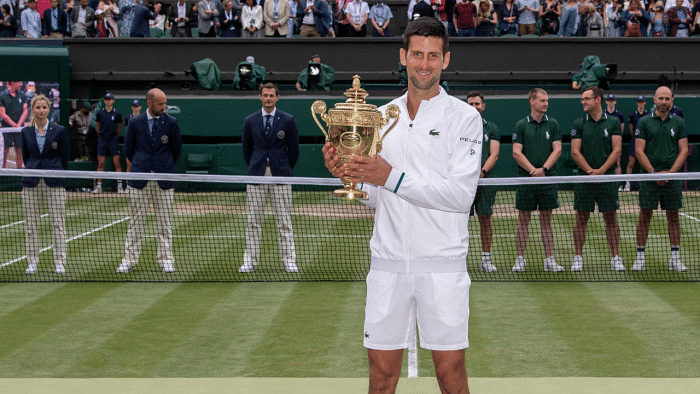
422	184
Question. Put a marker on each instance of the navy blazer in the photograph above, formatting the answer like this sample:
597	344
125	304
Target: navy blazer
53	157
322	16
156	153
139	25
62	22
281	147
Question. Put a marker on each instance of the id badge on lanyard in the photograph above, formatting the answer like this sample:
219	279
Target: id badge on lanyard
276	8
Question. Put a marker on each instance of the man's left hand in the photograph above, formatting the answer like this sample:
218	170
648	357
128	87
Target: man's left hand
370	169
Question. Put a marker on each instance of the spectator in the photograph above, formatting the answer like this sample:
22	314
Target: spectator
251	20
445	10
82	20
127	9
508	16
31	21
230	21
600	8
536	149
662	146
486	19
695	24
672	3
573	23
67	7
551	12
8	26
315	18
207	18
380	16
102	28
613	12
161	21
463	18
180	16
659	22
270	143
54	22
291	22
527	20
635	20
142	16
79	123
679	20
275	15
420	8
110	9
342	25
10	3
195	17
357	13
595	26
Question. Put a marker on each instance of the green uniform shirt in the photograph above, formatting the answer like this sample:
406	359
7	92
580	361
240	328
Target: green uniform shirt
662	139
14	106
491	132
596	138
537	139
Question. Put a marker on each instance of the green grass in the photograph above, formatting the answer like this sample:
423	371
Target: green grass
304	330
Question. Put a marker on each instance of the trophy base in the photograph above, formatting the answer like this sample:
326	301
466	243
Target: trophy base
350	193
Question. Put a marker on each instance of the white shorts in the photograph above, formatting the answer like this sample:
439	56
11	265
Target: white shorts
437	302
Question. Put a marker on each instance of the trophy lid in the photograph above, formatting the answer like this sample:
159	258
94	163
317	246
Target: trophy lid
355	98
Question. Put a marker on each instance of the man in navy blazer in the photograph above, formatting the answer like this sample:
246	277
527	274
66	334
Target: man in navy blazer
572	22
152	144
139	25
270	148
54	24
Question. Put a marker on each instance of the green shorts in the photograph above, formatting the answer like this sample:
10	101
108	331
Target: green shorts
586	195
669	195
483	202
534	197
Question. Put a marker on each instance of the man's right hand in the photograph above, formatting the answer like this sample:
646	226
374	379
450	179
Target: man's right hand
331	159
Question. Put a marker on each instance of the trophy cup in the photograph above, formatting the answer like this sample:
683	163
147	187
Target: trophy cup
354	128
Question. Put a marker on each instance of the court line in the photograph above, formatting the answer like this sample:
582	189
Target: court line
20	222
68	240
690	217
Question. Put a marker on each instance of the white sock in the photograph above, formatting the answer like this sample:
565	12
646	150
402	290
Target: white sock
485	254
675	252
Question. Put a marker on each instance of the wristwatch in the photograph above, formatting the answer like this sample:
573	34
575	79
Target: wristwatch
545	168
484	171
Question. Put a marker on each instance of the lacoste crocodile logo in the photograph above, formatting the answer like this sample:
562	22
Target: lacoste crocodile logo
433	132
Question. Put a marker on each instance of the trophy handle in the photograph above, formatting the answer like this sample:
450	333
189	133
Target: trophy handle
392	111
319	107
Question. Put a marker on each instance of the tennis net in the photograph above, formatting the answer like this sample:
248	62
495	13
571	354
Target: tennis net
327	238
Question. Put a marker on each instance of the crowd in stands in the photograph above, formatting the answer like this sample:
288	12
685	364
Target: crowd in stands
347	18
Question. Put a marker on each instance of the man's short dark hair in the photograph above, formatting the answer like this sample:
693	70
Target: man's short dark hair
270	85
597	92
475	93
426	26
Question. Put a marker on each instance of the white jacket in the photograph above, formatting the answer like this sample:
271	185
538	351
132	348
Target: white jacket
422	211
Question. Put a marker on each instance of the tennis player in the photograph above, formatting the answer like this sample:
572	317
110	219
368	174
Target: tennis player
422	185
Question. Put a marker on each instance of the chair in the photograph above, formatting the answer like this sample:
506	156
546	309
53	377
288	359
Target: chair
197	163
156	32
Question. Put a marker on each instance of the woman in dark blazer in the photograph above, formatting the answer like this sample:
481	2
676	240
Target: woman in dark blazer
230	21
44	147
8	26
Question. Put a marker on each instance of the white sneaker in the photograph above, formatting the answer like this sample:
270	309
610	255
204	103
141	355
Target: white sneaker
291	267
616	264
639	265
519	264
120	190
168	268
676	265
576	265
60	269
97	190
247	267
487	265
550	265
123	268
32	269
627	187
621	188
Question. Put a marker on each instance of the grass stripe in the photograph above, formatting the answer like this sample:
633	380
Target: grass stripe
55	352
14	296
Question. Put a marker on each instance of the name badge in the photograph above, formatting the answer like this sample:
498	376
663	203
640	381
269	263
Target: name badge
164	139
275	15
280	134
54	145
252	22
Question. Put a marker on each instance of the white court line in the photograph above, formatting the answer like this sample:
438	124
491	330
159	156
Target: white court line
71	239
690	217
20	222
